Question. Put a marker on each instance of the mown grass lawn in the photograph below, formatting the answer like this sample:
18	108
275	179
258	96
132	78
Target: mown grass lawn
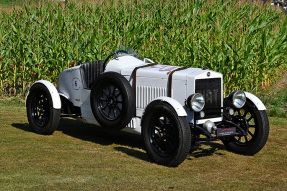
79	156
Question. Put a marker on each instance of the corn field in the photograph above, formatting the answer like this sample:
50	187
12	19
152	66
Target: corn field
245	41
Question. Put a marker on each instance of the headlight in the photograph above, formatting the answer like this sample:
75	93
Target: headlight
196	102
238	98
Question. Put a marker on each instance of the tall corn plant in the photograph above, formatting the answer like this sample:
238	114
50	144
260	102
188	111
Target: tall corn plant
246	42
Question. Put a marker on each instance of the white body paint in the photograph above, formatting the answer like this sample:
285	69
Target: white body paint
53	91
151	85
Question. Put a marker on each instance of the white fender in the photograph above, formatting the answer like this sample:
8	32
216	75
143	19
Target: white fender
175	104
257	102
53	91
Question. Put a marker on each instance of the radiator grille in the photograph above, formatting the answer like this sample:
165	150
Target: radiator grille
145	94
211	90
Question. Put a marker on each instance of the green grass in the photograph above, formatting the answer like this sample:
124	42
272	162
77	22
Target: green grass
275	98
79	156
278	105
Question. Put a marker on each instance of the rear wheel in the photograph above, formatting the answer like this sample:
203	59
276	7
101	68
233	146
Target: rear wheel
42	117
255	123
166	136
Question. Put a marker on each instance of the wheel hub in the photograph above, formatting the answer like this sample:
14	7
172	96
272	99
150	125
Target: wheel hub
242	122
41	110
112	101
110	105
162	135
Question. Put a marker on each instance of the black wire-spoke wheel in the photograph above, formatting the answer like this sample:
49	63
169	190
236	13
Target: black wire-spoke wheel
256	125
112	100
42	117
41	109
163	135
166	135
245	119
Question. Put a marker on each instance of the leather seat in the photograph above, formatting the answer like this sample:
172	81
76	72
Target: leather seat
90	71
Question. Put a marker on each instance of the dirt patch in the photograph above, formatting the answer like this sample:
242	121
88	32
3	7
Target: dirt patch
282	84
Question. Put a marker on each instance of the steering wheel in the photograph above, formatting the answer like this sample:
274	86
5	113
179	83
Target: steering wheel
122	51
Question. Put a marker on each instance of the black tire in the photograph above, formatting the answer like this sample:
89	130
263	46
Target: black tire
256	123
166	136
112	100
42	117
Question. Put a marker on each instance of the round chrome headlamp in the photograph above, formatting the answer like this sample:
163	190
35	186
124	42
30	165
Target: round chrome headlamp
196	102
238	98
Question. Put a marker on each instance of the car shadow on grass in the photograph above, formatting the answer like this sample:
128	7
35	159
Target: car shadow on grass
98	135
205	149
128	143
22	126
133	152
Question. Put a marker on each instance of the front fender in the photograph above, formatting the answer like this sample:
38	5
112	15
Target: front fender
175	104
53	91
254	99
257	102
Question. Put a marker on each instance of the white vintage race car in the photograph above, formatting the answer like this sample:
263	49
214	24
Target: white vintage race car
170	106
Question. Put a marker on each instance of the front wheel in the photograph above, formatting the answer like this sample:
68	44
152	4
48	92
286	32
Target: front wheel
166	136
42	117
255	123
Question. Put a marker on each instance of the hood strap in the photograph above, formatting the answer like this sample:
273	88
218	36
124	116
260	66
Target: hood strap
170	79
135	76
